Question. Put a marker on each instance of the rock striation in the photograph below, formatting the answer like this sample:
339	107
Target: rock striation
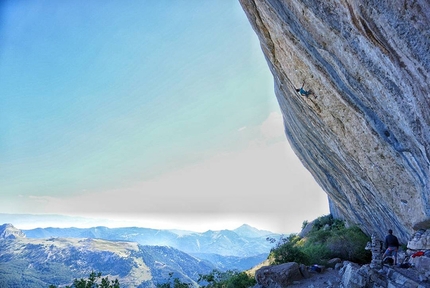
364	132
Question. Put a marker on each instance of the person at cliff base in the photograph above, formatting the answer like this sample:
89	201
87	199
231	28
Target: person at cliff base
392	246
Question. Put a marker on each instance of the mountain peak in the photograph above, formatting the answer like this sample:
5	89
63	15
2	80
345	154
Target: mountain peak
8	231
245	226
249	231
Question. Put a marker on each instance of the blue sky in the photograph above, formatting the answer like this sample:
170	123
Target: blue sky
143	110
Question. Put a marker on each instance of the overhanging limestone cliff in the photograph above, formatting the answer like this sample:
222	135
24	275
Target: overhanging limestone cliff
365	133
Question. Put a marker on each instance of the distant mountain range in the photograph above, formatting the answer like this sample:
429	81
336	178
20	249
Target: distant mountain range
26	262
241	242
138	257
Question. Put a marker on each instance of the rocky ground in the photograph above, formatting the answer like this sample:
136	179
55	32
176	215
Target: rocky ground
412	274
331	278
326	279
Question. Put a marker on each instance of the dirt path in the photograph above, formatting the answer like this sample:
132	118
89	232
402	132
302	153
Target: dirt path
327	279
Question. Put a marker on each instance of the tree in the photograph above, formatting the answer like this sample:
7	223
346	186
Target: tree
215	279
289	251
95	280
228	279
175	283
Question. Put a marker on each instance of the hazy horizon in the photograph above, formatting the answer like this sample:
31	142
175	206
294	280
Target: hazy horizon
26	222
155	112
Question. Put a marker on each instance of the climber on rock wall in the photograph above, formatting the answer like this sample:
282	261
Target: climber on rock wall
303	92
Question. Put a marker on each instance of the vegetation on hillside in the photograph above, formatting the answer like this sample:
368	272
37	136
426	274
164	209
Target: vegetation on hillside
95	280
215	279
328	238
228	279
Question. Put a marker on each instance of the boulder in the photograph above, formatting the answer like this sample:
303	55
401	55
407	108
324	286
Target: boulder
332	262
420	240
422	264
305	231
395	279
353	275
279	275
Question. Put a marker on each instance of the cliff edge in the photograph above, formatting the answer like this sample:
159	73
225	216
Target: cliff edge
364	131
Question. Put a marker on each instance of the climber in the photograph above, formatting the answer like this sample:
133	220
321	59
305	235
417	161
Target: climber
303	92
392	246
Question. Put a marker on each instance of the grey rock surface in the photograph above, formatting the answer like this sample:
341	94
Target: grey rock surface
364	132
281	275
420	240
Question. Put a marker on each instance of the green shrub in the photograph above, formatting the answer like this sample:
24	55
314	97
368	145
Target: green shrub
328	238
241	280
95	280
317	253
289	251
174	283
327	222
319	236
349	244
228	279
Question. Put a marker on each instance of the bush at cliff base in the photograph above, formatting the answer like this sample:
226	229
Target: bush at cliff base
329	238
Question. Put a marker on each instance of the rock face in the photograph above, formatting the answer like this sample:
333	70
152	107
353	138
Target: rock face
364	133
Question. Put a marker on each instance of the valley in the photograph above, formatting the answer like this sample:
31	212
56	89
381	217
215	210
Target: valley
137	257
